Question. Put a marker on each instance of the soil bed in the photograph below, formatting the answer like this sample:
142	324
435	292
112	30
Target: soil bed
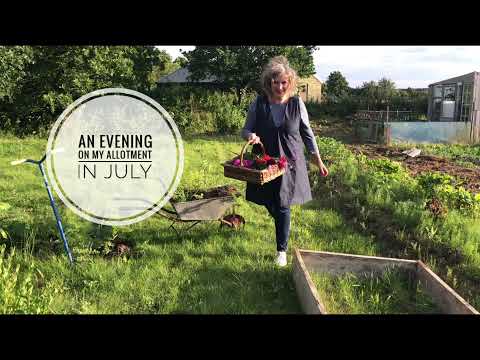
470	177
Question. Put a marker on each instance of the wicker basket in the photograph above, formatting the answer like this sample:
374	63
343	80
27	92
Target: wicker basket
252	175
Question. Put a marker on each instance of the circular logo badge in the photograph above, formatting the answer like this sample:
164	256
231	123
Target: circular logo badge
115	156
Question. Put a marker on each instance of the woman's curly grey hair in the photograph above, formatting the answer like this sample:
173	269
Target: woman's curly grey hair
275	67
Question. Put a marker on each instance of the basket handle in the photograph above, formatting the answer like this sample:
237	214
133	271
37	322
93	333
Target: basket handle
245	147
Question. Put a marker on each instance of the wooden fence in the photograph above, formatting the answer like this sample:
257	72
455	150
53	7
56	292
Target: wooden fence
387	115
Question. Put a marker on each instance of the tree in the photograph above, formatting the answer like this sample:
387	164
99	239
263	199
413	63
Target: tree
369	91
181	61
164	67
336	85
240	67
13	61
51	77
386	90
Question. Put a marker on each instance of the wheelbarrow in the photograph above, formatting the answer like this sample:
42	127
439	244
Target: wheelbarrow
197	211
193	212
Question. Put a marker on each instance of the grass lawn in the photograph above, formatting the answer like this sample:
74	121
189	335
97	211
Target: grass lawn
209	270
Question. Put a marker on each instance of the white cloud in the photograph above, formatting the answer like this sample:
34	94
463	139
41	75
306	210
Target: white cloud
407	66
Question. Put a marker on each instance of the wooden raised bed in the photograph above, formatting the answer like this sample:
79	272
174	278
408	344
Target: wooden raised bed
305	261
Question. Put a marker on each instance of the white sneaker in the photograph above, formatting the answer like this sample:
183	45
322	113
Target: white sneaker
281	258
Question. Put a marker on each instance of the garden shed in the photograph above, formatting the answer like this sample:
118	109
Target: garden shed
309	88
455	99
181	77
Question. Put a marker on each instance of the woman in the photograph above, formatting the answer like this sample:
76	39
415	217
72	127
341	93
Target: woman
280	122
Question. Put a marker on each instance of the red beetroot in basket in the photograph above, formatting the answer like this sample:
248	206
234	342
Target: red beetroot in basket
246	163
261	162
255	168
282	163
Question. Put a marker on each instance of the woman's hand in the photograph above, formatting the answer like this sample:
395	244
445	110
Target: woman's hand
323	169
254	137
321	165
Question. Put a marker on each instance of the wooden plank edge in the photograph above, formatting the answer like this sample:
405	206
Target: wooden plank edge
443	295
306	289
352	256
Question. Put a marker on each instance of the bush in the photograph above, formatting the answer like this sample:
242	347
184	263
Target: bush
314	109
443	187
3	234
227	116
337	107
198	110
356	99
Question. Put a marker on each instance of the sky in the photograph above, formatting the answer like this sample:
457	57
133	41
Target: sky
407	66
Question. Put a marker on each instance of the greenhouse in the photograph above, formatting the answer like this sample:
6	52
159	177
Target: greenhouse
452	116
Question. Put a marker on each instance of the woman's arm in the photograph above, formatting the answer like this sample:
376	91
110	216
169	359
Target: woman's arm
306	131
308	138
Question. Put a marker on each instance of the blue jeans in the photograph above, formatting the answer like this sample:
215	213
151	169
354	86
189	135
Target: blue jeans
281	215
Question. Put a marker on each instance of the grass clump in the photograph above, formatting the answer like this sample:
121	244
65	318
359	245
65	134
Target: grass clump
392	292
